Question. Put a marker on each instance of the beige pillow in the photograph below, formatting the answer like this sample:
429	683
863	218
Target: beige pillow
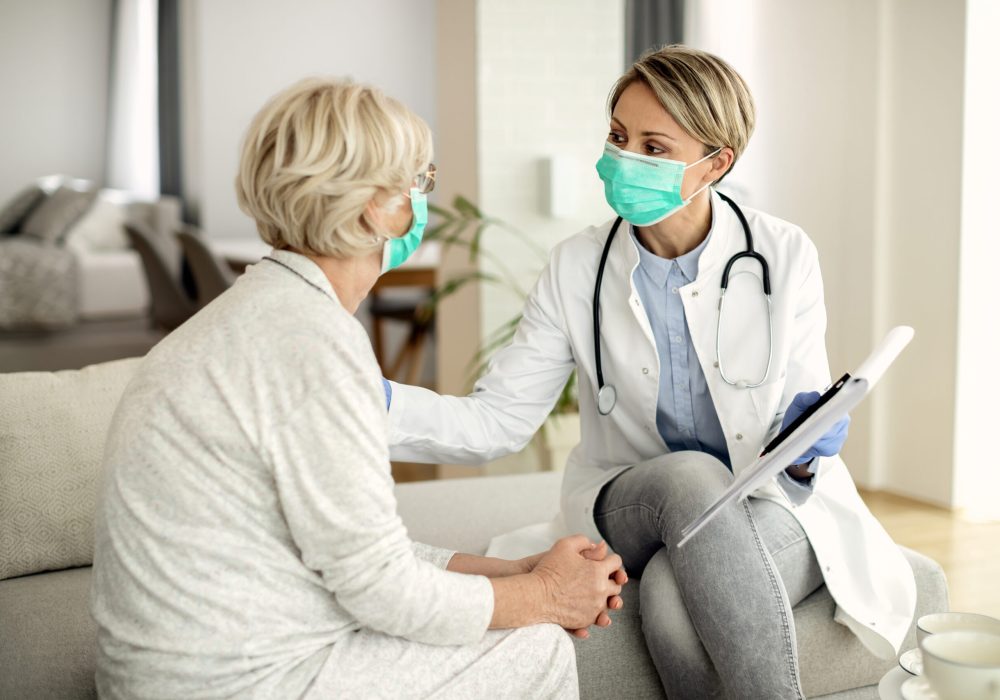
101	228
52	431
15	210
53	218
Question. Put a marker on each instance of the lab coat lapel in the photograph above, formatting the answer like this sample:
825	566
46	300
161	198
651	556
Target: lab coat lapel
735	407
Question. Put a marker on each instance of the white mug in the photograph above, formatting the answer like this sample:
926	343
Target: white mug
955	622
963	665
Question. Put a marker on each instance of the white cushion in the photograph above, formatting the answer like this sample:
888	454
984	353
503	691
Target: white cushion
52	431
101	228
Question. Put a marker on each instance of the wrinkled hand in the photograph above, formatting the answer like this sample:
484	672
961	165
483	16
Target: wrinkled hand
828	445
582	581
598	553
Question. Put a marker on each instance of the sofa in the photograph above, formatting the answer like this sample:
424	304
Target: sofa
66	257
52	429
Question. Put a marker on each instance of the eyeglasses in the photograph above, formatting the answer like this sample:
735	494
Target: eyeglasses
425	181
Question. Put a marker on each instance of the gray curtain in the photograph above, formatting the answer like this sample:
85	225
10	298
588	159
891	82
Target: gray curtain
168	73
652	23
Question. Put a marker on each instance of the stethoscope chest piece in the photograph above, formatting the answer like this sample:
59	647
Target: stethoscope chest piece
607	397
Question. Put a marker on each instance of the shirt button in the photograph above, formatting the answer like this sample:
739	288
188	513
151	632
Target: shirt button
673	289
677	339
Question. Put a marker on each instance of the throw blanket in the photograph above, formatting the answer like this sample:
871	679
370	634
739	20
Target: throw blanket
38	284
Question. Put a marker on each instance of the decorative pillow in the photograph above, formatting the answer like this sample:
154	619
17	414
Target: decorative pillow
101	228
18	208
52	431
54	217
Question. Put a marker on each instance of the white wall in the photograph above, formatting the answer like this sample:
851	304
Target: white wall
859	142
247	50
54	86
545	70
977	474
919	267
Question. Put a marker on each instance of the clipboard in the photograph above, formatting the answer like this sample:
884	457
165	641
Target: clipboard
836	402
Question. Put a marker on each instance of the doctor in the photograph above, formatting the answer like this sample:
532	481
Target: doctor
678	391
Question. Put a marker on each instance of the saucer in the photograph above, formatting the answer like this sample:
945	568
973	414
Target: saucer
917	688
912	662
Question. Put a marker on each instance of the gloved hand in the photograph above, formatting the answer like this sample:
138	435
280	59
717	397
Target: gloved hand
831	442
388	392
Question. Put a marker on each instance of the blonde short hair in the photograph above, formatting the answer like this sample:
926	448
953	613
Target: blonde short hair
704	94
316	154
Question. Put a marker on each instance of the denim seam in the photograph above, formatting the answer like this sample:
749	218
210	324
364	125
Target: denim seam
783	547
782	613
642	506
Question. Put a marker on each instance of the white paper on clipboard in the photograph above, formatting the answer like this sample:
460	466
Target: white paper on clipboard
812	429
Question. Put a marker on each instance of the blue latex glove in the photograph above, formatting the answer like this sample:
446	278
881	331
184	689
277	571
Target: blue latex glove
388	392
831	442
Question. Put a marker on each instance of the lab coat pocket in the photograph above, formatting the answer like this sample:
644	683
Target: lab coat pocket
767	401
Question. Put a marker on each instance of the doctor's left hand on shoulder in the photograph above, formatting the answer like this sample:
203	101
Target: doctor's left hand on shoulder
831	442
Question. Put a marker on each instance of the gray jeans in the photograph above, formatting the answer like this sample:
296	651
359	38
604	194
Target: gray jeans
717	613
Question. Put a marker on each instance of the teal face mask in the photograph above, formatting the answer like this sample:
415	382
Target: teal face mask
643	190
398	250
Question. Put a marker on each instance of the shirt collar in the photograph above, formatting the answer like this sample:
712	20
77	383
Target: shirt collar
657	268
302	268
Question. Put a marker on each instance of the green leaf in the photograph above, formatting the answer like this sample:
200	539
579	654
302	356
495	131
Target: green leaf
464	206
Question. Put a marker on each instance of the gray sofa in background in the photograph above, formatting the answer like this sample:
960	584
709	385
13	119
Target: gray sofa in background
52	428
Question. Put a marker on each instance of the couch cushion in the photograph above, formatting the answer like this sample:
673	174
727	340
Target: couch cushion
101	228
53	218
52	431
48	642
16	209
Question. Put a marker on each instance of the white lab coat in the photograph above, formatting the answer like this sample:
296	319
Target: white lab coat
865	572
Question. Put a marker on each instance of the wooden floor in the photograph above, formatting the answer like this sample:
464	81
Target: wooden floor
968	551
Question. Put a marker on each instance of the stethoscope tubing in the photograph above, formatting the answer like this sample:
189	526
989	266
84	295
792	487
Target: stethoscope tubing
606	393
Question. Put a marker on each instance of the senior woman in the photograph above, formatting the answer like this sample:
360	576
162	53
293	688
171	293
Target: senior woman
248	542
685	391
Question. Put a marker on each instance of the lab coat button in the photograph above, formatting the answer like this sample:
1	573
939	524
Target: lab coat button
715	364
645	370
739	436
694	293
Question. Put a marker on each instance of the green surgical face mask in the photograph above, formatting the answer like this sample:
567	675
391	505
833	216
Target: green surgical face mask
644	190
398	250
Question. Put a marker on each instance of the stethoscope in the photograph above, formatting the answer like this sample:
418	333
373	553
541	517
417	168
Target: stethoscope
607	396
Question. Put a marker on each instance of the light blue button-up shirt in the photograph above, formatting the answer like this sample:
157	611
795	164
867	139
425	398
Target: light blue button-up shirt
685	413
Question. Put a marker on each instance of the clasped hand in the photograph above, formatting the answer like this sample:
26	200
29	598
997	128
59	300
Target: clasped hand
582	582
